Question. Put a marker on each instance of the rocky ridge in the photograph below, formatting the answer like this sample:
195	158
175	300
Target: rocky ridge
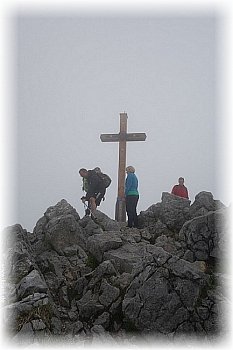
80	279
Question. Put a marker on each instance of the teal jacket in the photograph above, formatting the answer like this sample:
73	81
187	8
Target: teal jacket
131	185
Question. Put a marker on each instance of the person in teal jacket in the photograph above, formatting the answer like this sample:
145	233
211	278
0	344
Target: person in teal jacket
131	196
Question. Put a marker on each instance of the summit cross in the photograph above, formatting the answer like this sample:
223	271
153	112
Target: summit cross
122	137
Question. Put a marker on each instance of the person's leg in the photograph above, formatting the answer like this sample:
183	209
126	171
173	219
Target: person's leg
92	204
100	196
135	216
129	210
98	199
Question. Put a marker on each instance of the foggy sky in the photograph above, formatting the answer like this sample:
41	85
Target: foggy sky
75	75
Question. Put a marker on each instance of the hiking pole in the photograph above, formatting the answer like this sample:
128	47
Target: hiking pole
87	208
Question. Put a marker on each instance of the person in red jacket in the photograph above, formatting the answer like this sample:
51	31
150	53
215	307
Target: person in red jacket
180	190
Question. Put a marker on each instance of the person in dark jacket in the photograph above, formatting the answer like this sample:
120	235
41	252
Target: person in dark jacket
180	190
95	189
131	196
85	189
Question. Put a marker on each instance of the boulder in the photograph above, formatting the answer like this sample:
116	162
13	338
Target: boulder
150	215
125	257
17	253
89	306
60	217
172	212
105	222
90	226
203	203
60	209
103	320
104	270
63	232
108	293
31	284
165	285
205	236
97	244
169	244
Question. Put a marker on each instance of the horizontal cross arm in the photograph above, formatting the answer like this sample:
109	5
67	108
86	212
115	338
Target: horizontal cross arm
137	136
109	137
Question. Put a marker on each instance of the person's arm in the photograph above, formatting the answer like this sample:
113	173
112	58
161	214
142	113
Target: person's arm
187	194
128	184
174	190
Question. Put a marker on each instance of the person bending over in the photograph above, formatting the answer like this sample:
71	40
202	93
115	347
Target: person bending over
96	189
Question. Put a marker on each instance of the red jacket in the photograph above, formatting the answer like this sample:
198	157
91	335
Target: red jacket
180	191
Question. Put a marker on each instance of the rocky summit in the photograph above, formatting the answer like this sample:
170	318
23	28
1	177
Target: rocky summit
81	279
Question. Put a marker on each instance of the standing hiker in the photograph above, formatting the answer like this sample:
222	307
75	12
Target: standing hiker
180	190
96	186
131	196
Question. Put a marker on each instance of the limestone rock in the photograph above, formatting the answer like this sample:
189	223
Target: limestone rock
163	287
90	226
172	212
30	284
103	320
150	215
17	253
97	244
204	202
89	306
51	216
63	232
105	269
126	257
84	279
105	222
205	236
60	209
108	293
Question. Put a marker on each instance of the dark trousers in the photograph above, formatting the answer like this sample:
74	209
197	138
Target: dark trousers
99	196
131	210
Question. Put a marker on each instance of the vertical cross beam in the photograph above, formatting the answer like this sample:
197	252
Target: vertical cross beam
122	137
120	203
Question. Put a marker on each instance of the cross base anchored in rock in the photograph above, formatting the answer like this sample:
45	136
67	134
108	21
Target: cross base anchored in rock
122	137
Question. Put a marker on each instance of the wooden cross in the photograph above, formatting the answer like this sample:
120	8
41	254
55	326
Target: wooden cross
122	137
